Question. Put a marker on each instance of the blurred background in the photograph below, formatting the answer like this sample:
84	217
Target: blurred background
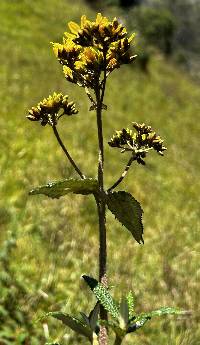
45	245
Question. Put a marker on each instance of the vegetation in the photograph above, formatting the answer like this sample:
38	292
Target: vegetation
46	231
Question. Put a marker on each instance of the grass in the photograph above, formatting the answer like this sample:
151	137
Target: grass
57	240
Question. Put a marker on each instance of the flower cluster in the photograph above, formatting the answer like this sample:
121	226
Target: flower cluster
51	109
139	142
91	48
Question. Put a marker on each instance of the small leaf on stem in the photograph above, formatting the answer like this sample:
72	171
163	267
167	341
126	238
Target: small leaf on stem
103	296
73	323
159	312
93	317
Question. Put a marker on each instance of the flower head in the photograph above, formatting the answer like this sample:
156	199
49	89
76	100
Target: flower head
100	33
139	142
91	48
50	109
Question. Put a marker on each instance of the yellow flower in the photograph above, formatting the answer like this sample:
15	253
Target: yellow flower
91	48
138	143
48	110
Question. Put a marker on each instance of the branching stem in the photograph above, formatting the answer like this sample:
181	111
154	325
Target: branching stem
66	152
123	174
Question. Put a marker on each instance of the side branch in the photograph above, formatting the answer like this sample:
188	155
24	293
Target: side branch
123	174
66	152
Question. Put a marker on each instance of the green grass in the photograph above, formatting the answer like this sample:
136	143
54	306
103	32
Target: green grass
58	240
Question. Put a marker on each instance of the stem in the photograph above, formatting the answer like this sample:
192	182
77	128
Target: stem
100	201
90	97
66	152
123	174
118	340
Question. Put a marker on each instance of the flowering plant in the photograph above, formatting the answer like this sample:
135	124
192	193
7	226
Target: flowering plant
88	54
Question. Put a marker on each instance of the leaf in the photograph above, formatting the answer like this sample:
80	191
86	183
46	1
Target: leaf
73	323
159	312
124	313
103	296
63	187
93	317
131	304
85	319
141	319
128	211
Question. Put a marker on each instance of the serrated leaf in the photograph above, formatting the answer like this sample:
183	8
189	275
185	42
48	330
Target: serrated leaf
63	187
131	304
124	313
93	317
128	211
73	323
159	312
103	296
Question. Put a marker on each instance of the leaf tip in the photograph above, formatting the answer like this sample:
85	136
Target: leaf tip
91	282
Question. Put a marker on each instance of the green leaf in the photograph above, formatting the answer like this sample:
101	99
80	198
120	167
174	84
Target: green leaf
63	187
103	296
93	317
131	304
124	313
141	319
73	323
159	312
128	211
85	319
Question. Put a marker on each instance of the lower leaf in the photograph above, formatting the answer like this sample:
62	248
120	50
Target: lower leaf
73	323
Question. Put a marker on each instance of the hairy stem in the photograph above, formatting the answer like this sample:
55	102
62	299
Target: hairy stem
66	152
120	179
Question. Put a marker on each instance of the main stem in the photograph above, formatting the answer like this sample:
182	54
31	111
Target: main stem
101	207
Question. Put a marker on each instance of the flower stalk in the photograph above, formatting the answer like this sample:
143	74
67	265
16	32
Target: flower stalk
69	157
